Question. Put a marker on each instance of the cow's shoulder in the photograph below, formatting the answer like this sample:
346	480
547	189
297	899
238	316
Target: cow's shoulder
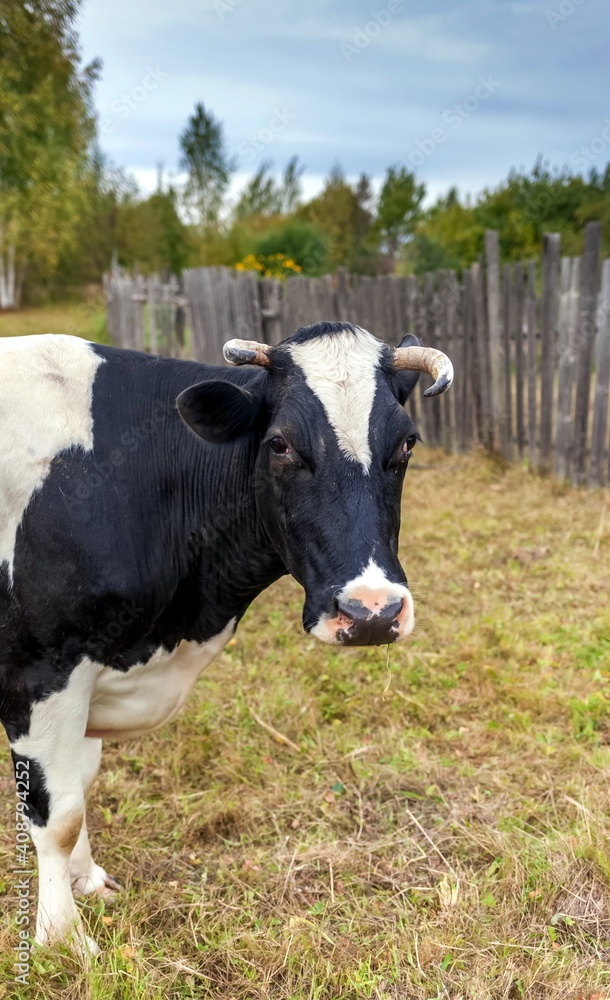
46	386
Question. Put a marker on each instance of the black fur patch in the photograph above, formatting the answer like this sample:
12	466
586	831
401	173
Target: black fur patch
31	789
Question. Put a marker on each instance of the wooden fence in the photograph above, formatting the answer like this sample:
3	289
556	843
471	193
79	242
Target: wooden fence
530	344
146	314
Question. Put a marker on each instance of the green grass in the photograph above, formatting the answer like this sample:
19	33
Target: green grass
442	828
82	319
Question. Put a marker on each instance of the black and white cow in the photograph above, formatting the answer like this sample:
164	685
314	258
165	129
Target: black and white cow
144	503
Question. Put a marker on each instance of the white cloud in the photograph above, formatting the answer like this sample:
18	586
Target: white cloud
368	112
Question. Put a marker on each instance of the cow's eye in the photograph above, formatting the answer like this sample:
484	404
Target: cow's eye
403	452
278	446
408	446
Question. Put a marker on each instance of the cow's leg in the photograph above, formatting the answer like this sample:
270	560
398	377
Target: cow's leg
85	875
50	755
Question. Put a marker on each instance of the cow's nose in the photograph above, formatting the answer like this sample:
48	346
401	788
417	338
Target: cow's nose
375	622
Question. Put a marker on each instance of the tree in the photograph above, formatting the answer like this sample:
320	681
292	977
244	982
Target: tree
261	195
398	208
151	234
291	186
208	166
299	240
105	190
46	126
338	213
264	195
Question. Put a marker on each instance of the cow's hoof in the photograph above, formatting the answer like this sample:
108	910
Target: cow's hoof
88	948
96	881
80	943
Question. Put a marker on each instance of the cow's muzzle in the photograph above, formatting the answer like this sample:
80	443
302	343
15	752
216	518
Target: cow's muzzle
364	615
363	625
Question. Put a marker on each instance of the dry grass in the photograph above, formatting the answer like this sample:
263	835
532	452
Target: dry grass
440	826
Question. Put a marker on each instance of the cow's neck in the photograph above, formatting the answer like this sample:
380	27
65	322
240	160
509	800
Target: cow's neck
231	558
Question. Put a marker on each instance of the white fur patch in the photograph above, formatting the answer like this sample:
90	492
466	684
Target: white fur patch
340	369
46	385
124	705
374	581
55	741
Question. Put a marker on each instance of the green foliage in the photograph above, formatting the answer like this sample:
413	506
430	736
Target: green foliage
303	242
263	196
522	208
65	212
207	163
399	207
338	212
152	233
46	126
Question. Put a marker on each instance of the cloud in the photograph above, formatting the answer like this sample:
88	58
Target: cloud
265	55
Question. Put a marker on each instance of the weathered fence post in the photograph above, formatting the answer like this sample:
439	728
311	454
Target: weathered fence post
518	300
589	284
270	306
465	388
550	309
496	414
597	471
532	364
448	344
480	368
506	428
568	313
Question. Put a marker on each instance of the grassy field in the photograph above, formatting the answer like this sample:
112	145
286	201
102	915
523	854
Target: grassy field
433	822
82	319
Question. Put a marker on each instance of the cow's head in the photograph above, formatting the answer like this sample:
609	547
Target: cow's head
334	444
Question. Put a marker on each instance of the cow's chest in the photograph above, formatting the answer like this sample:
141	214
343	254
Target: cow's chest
149	694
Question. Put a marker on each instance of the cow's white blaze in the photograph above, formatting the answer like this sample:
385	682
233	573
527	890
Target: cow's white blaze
341	371
45	408
372	589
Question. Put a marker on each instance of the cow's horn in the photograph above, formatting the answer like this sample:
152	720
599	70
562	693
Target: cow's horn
246	352
426	359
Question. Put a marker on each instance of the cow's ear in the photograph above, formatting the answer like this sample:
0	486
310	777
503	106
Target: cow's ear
219	411
405	382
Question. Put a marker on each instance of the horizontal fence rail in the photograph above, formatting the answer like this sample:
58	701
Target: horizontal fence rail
530	342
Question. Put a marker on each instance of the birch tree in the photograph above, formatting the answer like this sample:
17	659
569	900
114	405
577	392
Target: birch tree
46	127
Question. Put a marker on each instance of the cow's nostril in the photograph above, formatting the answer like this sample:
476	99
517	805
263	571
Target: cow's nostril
394	610
352	612
342	617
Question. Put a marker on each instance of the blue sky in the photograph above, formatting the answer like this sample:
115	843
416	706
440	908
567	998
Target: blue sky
458	91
